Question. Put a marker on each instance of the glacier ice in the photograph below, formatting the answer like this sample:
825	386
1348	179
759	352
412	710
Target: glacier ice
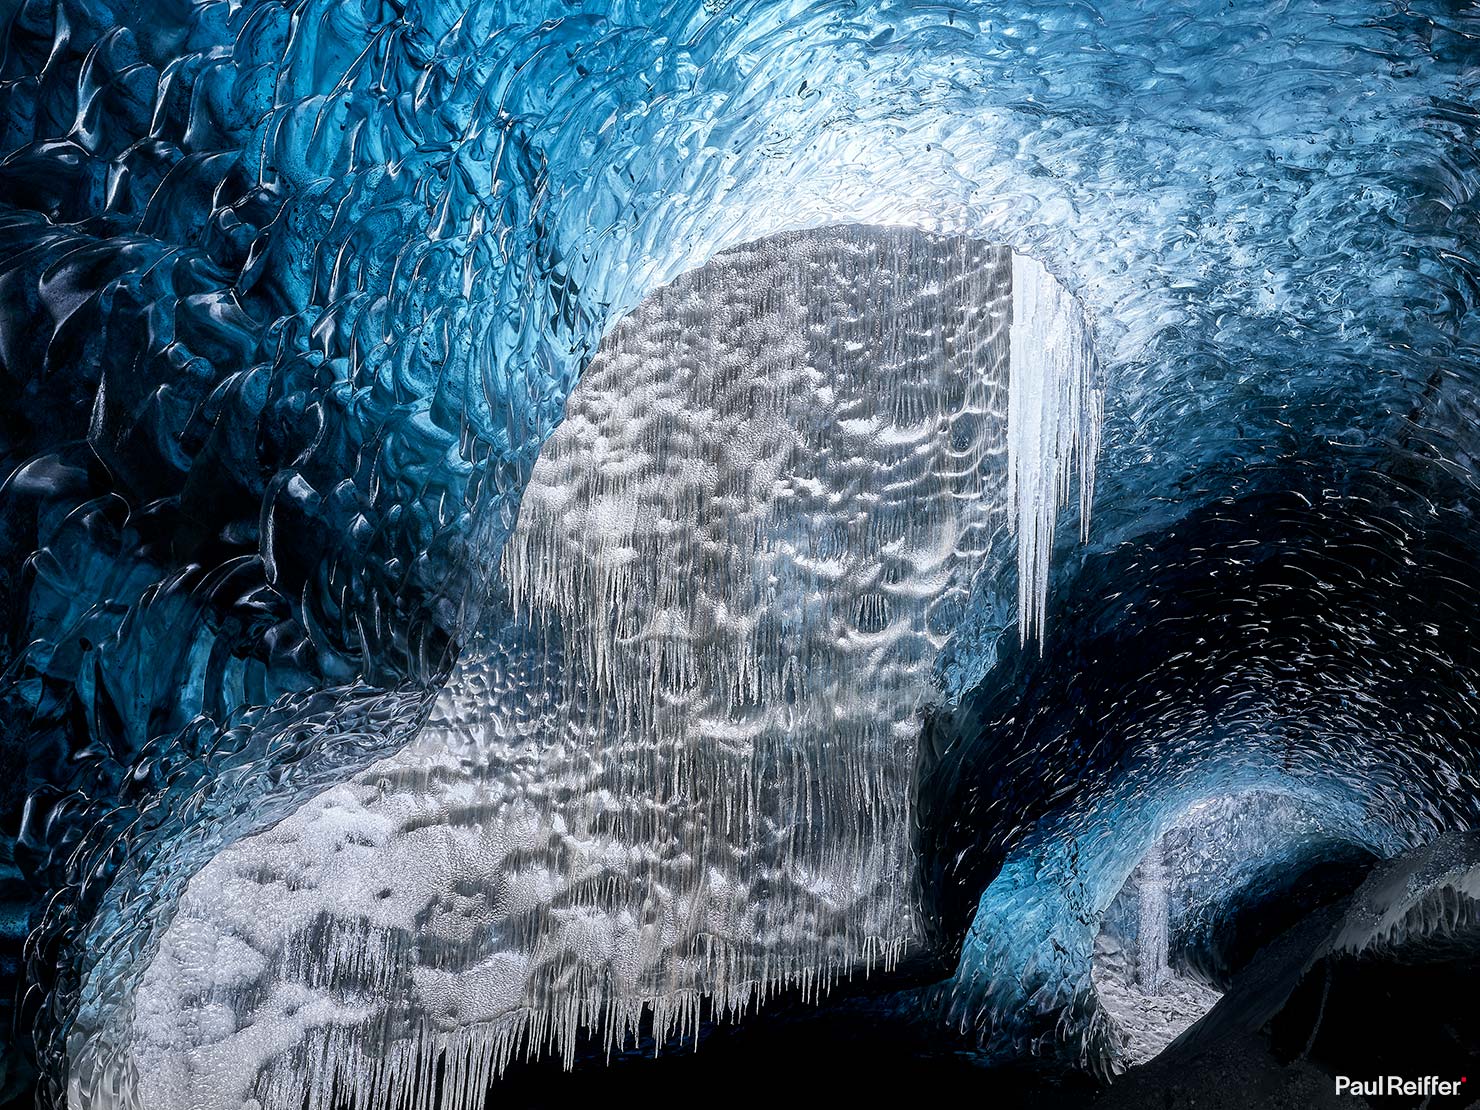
681	775
1429	892
295	292
1142	1025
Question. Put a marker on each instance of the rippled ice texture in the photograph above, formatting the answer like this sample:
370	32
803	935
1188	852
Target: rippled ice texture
301	288
687	771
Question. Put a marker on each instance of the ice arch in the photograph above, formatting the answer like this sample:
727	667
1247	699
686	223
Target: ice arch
311	281
1152	700
680	773
1230	875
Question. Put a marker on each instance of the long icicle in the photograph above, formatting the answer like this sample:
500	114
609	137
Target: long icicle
1055	412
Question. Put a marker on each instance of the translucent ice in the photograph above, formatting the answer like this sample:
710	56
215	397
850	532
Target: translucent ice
683	770
296	290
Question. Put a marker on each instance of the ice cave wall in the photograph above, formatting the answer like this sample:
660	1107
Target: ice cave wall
299	289
681	779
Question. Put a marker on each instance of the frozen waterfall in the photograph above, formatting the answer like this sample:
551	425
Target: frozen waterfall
678	773
1151	938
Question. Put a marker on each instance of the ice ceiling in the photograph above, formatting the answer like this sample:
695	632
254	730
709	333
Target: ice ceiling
295	294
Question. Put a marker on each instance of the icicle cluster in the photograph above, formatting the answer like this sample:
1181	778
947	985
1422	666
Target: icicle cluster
679	779
1055	413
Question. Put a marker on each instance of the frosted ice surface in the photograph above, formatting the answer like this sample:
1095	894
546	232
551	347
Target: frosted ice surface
1143	1023
684	769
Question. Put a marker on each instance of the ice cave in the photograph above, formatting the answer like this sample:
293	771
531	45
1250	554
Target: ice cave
818	553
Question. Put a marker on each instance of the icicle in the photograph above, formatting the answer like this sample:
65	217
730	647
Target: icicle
1055	413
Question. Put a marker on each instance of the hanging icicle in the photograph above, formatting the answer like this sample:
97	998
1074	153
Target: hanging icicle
1055	413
